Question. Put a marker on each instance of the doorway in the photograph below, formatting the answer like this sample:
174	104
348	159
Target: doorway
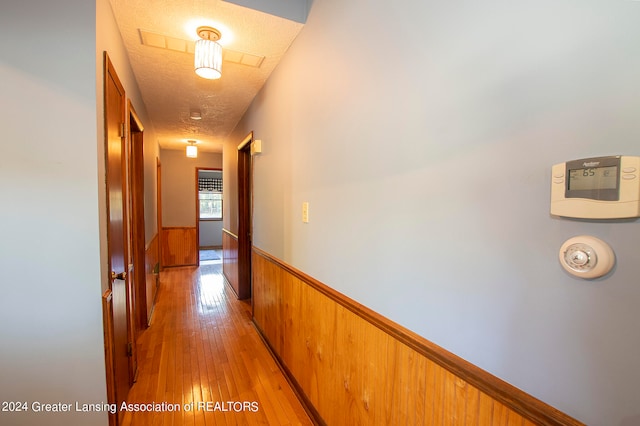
245	213
209	199
138	241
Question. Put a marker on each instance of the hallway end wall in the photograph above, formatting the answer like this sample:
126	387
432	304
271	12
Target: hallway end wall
179	241
179	185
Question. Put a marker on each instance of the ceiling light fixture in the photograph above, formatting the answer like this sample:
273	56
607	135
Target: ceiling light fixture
195	115
192	149
208	61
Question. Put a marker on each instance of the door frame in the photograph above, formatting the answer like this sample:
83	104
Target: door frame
136	198
245	216
197	190
159	210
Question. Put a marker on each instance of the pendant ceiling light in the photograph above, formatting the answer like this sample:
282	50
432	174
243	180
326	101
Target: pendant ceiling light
208	62
192	149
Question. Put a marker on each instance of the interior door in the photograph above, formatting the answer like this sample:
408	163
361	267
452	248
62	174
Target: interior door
117	228
244	217
136	167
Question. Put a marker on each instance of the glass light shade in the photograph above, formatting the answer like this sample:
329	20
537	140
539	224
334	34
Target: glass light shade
208	62
192	151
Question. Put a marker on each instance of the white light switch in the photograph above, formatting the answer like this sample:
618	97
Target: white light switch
305	212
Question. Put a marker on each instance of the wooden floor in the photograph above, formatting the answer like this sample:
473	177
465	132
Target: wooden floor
201	348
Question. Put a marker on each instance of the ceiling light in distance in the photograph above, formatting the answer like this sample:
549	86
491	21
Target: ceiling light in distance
195	115
192	149
208	60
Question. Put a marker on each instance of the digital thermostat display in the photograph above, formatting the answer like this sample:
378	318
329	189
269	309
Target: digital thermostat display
596	188
594	178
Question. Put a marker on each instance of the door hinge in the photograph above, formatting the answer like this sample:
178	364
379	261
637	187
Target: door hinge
122	130
129	349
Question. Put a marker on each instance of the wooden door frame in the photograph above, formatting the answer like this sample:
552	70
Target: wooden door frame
245	216
159	210
138	246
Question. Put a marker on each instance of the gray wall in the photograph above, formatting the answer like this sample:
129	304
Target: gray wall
179	184
50	309
210	233
53	251
423	134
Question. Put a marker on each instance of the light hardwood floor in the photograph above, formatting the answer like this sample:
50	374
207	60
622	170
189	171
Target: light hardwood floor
201	347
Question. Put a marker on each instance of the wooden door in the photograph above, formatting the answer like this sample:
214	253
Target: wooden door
244	218
117	230
159	210
136	163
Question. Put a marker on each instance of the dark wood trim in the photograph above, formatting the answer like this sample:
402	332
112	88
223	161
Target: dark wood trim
159	208
244	217
135	119
136	166
517	400
246	142
197	212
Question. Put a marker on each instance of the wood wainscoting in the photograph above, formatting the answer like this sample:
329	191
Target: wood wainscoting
350	365
179	246
230	260
152	269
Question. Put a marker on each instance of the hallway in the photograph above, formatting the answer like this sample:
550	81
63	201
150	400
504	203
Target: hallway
202	348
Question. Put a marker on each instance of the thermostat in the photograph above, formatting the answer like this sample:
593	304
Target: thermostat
586	257
596	188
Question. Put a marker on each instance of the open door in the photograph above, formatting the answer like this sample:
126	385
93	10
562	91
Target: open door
136	163
122	341
159	209
244	217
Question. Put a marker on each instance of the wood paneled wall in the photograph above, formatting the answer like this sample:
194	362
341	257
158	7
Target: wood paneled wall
353	366
179	247
230	259
152	265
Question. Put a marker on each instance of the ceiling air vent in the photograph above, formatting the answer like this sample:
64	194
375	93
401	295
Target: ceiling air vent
186	46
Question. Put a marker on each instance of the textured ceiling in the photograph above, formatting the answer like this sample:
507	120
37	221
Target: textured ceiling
253	43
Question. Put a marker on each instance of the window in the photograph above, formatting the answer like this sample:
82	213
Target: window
210	205
210	197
